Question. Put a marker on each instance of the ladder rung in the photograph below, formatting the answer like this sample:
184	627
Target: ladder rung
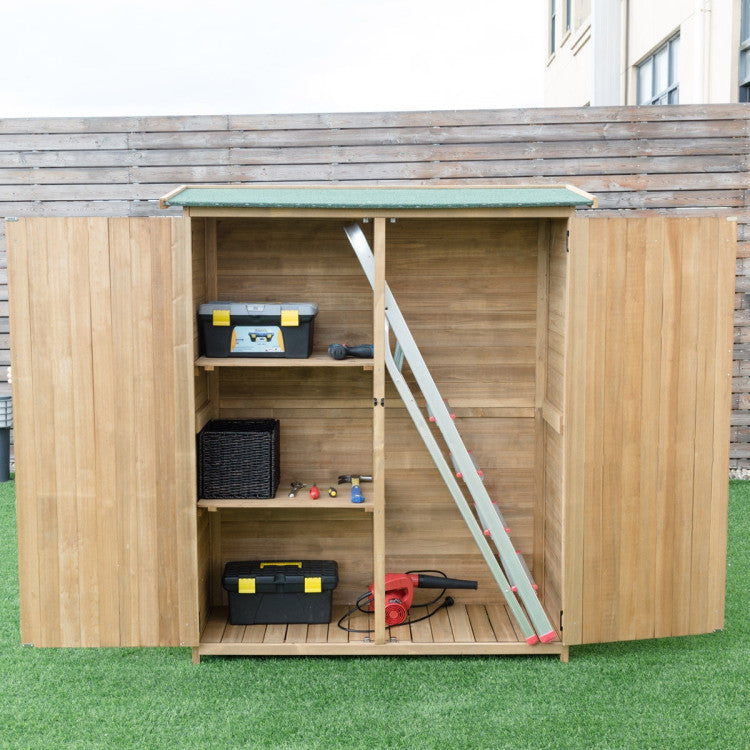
511	579
485	525
476	464
430	415
456	471
500	518
398	357
527	571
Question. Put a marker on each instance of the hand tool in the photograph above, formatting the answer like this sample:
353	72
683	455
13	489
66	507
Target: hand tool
314	492
340	351
333	492
295	488
347	478
357	496
355	479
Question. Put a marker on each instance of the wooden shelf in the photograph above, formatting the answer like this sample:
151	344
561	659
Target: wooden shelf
302	500
314	360
460	629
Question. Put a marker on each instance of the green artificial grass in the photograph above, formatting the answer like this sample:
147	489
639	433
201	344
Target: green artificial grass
671	693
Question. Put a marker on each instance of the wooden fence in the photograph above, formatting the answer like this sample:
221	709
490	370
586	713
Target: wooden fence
690	160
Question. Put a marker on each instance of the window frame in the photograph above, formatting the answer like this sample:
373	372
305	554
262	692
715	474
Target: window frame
552	23
670	94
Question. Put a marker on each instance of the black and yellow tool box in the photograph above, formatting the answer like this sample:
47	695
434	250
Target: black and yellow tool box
233	329
280	591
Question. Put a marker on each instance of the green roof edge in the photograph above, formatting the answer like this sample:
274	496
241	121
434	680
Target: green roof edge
378	197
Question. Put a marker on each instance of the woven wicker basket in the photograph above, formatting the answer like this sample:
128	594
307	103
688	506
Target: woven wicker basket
238	458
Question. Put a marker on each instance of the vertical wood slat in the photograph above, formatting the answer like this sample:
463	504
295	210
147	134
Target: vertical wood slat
20	244
97	537
700	518
143	428
125	369
612	470
212	293
183	396
576	410
670	352
651	354
378	428
166	479
82	405
656	426
635	501
685	438
45	467
62	427
104	446
542	303
592	437
726	253
556	278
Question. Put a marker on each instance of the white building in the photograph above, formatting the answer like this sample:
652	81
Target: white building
610	52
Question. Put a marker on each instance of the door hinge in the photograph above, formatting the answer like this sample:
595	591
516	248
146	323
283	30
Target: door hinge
561	618
567	240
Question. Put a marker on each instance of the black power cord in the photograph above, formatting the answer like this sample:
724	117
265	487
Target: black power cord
368	597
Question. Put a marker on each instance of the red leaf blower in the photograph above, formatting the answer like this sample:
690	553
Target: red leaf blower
399	592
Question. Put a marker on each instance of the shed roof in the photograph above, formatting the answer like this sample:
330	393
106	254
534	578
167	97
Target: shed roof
384	198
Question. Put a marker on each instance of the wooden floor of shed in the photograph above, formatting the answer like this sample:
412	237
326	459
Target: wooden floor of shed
460	629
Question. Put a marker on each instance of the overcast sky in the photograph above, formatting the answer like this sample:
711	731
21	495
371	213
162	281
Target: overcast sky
145	57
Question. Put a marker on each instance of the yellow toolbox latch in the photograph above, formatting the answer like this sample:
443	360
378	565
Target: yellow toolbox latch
221	317
290	318
313	585
245	585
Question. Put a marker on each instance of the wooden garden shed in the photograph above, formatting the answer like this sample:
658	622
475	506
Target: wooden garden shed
588	363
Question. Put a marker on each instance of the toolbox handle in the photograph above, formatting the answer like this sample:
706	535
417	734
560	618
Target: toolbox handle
295	564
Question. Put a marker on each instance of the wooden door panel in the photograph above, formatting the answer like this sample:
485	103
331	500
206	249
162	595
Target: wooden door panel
102	381
648	451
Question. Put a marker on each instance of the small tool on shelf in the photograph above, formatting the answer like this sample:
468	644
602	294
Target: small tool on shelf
341	351
355	479
295	488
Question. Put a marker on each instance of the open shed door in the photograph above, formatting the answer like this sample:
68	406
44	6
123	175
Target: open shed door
101	322
649	396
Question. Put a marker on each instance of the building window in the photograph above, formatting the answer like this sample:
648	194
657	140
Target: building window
657	75
745	52
552	19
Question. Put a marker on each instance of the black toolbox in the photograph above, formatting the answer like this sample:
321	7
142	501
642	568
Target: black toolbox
234	329
280	591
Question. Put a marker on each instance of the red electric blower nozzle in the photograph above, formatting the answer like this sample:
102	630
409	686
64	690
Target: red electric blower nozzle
399	592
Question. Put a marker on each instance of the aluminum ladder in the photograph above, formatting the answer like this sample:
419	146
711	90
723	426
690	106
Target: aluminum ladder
531	617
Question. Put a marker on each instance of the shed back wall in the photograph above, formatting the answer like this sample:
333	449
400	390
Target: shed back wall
684	160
